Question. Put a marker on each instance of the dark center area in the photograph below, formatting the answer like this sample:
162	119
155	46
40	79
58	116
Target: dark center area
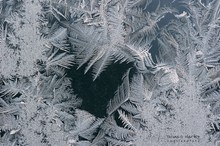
96	94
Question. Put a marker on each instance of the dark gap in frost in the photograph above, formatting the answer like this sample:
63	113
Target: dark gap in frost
17	95
2	133
164	21
96	94
154	4
206	2
154	50
118	120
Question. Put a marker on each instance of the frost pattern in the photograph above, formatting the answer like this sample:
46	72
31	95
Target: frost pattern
169	96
